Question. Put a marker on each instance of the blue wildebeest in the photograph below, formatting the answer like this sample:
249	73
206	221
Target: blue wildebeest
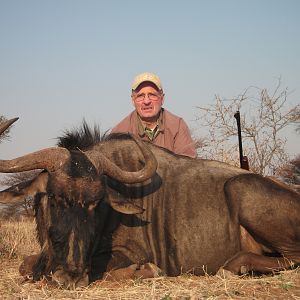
124	204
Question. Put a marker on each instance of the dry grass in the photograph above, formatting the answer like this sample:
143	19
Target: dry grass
17	239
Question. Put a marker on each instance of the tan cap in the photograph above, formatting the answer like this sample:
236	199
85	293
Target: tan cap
146	77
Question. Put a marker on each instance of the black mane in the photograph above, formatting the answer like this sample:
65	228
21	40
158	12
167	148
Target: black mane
81	138
118	136
84	137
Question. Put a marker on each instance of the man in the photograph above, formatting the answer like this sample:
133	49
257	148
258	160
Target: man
152	122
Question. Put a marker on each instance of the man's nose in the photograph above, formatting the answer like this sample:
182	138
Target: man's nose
147	99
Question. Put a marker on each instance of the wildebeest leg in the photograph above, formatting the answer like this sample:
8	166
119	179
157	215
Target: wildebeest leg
270	214
147	270
121	274
66	280
248	243
26	267
245	262
34	266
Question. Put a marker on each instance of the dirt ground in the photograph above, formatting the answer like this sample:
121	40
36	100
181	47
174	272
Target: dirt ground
18	239
285	285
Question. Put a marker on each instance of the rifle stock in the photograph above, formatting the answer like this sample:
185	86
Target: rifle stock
244	164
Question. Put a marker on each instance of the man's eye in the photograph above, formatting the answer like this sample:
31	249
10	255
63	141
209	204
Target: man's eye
153	96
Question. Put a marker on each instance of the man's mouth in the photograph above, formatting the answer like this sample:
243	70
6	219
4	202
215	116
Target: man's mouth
147	108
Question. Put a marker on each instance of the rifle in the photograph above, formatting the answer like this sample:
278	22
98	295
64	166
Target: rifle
243	159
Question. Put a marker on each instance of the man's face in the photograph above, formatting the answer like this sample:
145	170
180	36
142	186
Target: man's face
147	100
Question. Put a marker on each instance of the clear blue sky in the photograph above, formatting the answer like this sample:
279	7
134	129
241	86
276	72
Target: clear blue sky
62	61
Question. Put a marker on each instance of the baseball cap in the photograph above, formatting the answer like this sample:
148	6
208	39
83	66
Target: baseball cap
146	77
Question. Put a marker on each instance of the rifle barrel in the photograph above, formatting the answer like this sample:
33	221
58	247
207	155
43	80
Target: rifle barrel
238	121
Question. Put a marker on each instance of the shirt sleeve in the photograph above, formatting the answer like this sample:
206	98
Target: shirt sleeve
183	142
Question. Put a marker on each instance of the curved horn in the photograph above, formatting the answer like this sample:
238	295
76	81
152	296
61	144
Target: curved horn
50	159
4	125
112	170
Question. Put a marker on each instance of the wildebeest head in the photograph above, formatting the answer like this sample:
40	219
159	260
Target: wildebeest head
66	194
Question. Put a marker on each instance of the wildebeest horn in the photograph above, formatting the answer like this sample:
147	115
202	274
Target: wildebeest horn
112	170
4	125
50	159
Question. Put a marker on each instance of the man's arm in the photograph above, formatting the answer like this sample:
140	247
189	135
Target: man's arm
126	125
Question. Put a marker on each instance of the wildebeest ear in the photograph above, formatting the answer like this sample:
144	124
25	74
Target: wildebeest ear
126	207
119	203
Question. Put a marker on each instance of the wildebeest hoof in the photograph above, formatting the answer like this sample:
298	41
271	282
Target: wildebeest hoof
225	274
26	266
65	280
149	270
121	274
244	270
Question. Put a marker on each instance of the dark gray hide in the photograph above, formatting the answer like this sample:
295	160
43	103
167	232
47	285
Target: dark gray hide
194	210
193	215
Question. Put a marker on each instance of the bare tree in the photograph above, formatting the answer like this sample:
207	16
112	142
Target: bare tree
264	115
291	173
297	117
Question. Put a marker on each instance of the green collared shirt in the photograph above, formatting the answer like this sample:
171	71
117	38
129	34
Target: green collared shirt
151	133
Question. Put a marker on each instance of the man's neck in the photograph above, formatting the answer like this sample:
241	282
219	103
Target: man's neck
150	122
